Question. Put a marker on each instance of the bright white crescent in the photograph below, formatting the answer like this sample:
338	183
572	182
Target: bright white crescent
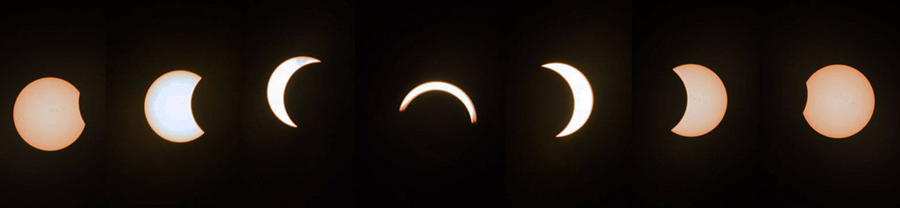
581	93
440	86
278	82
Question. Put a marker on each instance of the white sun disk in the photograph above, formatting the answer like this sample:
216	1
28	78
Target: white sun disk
168	106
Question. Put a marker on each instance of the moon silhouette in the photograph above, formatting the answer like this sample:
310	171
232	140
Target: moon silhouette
581	93
840	101
706	100
168	106
278	82
46	114
440	86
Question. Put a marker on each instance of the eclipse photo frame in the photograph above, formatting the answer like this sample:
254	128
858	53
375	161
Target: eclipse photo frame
450	104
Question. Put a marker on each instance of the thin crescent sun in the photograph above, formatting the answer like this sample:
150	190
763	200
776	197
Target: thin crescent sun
444	87
278	82
581	93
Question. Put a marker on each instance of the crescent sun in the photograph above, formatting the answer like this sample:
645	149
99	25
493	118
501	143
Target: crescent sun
706	100
440	86
168	106
278	82
581	93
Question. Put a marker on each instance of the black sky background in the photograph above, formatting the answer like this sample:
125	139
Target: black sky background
311	165
716	169
143	169
587	167
69	44
803	166
429	155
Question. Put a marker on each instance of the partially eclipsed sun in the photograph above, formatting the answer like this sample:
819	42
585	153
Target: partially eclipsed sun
840	101
706	100
440	86
47	115
168	106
